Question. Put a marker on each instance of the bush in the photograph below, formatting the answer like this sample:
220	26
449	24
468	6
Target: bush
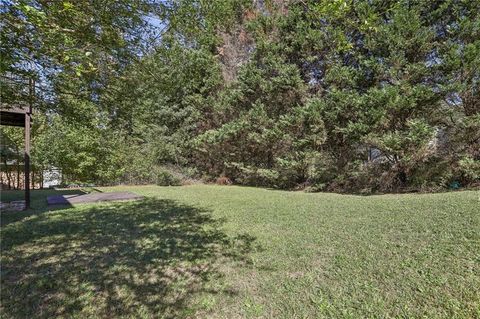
167	178
223	180
469	169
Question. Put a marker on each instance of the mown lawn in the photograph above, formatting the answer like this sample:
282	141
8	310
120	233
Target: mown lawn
238	252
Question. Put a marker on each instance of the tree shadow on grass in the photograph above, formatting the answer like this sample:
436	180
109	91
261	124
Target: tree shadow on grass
38	203
152	258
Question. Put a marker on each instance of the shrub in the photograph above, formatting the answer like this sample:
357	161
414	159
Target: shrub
223	180
167	178
469	168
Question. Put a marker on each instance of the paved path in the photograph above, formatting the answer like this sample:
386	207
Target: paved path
91	198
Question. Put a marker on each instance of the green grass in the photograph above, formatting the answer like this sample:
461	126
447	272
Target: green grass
238	252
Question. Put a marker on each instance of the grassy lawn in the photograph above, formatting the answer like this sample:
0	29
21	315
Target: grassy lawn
239	252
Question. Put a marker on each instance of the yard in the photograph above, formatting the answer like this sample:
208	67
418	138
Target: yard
238	252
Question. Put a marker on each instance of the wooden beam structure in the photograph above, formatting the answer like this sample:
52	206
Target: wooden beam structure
21	117
13	116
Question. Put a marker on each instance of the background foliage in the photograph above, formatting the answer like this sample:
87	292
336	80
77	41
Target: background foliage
326	95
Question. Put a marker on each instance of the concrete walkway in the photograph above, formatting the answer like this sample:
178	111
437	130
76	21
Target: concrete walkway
91	198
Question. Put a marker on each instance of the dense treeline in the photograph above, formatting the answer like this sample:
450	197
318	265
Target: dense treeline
331	95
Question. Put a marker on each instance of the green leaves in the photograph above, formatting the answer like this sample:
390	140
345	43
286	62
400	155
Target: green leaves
264	93
325	83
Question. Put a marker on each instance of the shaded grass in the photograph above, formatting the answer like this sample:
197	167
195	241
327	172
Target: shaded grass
239	252
137	259
38	202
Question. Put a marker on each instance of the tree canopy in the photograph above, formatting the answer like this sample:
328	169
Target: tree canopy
336	95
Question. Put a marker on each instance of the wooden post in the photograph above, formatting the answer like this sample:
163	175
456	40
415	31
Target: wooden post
28	115
27	160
